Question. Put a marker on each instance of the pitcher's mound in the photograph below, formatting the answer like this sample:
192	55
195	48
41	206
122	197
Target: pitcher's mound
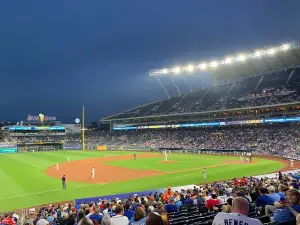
169	161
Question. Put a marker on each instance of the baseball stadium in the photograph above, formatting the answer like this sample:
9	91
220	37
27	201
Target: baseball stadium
192	150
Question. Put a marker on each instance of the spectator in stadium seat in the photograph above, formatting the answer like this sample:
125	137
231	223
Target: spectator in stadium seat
85	221
189	200
211	202
154	218
10	220
239	215
106	220
139	217
227	208
128	212
107	209
96	216
64	219
71	220
264	198
30	217
273	195
222	197
171	207
291	206
167	195
119	218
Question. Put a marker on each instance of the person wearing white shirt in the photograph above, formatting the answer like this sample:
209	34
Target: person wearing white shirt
239	215
119	218
93	173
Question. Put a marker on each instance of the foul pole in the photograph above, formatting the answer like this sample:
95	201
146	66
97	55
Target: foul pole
82	129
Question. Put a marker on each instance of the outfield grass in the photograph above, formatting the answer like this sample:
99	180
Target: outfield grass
23	182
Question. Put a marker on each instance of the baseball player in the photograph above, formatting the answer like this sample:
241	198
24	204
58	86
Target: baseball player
292	163
166	156
57	166
204	173
64	182
93	173
241	158
68	159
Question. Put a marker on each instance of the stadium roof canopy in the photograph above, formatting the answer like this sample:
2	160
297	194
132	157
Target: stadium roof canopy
259	61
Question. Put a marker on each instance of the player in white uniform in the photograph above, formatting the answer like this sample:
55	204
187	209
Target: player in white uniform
93	173
57	166
68	159
33	151
204	173
241	158
166	156
292	163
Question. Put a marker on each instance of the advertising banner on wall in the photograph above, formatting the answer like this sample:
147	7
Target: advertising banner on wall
72	147
101	148
8	149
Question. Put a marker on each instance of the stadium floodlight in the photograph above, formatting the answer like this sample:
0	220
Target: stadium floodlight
241	57
213	64
165	71
228	60
190	68
285	47
177	70
258	54
203	66
271	51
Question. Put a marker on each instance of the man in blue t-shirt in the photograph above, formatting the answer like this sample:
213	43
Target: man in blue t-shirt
264	198
128	212
171	207
273	195
96	216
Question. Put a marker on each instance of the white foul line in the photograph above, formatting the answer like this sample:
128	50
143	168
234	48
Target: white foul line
42	192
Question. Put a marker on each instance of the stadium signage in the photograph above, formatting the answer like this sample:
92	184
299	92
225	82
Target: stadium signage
8	150
36	128
8	145
41	118
210	124
73	147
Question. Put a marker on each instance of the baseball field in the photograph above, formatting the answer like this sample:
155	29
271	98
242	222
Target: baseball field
28	179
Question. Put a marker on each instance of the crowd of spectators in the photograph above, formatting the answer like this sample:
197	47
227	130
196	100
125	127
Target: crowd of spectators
251	99
250	200
265	140
277	88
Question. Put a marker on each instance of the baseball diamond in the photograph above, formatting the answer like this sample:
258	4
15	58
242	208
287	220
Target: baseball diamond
36	180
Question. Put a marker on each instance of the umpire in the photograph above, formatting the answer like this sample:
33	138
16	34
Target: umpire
64	182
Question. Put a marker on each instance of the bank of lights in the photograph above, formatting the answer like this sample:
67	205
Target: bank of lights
204	66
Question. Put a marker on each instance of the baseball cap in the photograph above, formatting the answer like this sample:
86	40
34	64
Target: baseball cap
32	211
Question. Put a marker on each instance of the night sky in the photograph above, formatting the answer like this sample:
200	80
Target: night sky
56	56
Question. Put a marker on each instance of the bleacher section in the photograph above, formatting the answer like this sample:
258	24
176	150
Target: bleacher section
275	88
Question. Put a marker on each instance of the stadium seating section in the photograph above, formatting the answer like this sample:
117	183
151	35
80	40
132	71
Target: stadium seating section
275	88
